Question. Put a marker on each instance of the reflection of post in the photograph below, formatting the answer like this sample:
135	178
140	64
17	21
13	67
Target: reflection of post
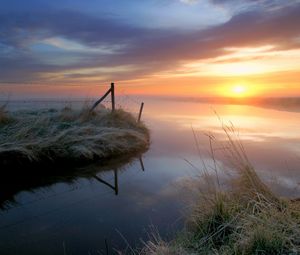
116	182
106	247
142	163
116	187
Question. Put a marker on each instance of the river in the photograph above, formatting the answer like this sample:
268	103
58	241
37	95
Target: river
118	207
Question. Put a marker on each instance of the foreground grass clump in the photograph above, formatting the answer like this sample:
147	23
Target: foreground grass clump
68	135
243	218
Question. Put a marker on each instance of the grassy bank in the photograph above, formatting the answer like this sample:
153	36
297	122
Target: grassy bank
244	217
68	136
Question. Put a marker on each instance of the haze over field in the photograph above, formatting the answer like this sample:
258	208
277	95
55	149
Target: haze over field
158	47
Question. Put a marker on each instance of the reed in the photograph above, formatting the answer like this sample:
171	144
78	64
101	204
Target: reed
245	218
4	118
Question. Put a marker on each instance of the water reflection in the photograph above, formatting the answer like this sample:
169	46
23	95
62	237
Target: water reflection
288	104
115	186
83	209
16	180
271	138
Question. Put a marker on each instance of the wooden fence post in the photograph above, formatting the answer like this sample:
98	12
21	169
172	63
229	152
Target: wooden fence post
112	91
141	110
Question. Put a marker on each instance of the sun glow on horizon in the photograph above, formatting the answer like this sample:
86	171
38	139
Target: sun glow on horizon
239	90
236	90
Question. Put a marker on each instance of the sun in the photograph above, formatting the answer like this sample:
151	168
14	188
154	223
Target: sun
239	90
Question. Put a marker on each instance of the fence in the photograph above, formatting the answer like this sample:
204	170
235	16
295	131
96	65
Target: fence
111	91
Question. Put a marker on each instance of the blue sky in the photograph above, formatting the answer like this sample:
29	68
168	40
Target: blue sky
149	13
64	41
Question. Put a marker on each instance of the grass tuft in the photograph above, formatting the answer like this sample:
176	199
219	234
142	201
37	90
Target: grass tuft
245	218
68	135
4	117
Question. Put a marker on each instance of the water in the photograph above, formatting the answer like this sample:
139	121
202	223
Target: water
76	217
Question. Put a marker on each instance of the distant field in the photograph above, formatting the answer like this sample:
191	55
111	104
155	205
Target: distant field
291	104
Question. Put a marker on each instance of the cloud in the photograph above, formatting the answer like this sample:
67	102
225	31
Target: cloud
78	41
24	28
189	1
258	3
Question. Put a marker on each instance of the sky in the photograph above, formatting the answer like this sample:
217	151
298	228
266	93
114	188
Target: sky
154	47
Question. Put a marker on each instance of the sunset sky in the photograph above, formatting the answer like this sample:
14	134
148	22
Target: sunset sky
153	47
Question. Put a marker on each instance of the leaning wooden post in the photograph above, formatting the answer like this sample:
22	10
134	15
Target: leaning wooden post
100	100
112	89
141	110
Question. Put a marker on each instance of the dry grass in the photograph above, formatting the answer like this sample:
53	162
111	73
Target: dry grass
158	247
67	135
245	218
4	117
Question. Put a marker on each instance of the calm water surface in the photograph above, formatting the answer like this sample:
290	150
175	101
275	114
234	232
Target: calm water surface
120	205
